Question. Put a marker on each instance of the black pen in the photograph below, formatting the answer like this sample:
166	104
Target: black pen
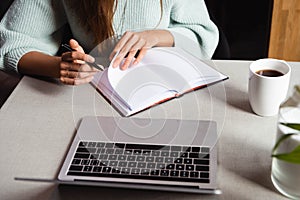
93	64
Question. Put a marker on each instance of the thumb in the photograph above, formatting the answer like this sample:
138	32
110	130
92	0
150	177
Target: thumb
75	45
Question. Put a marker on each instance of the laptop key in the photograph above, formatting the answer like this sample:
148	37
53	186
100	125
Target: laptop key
122	164
205	149
204	175
132	164
103	157
120	145
82	150
76	161
174	154
94	156
100	144
160	166
175	148
75	168
179	167
113	163
184	155
83	144
146	153
104	163
97	169
151	165
94	162
155	153
196	149
149	159
201	162
116	170
186	149
202	168
189	167
87	168
184	174
106	169
187	161
174	173
164	172
145	171
164	154
125	170
109	145
194	155
141	165
137	152
169	160
92	144
112	157
178	161
171	166
131	158
194	174
100	150
110	151
128	152
135	171
85	162
155	172
122	157
205	156
140	158
82	155
159	159
144	146
119	151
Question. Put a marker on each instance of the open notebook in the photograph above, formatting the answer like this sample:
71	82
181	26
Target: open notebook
163	74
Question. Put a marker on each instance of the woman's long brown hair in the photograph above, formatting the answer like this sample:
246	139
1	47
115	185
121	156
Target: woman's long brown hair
100	24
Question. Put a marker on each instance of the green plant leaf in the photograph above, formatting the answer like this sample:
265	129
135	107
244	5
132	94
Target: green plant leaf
281	139
292	157
292	125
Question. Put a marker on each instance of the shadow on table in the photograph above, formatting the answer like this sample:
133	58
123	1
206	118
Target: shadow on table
8	82
71	192
250	164
238	98
41	85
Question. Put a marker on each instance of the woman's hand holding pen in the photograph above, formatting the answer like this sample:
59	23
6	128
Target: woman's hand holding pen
132	42
74	69
75	65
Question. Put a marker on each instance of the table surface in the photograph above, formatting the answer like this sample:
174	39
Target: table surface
39	120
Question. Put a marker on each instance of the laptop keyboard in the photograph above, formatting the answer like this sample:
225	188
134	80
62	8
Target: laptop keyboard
141	161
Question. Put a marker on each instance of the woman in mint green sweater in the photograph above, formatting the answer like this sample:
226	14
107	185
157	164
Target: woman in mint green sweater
31	33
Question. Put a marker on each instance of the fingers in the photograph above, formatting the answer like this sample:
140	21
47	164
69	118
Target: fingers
75	45
74	69
142	53
75	74
77	56
72	81
128	45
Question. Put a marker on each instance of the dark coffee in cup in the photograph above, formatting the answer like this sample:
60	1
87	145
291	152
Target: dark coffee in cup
269	73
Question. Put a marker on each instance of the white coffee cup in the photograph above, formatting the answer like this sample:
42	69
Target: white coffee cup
266	93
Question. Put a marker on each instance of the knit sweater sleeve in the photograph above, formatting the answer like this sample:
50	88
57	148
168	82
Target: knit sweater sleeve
192	28
30	26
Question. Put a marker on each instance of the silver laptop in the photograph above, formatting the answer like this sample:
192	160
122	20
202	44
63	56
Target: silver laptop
156	154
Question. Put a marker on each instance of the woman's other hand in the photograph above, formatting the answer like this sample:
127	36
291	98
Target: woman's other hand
132	42
73	67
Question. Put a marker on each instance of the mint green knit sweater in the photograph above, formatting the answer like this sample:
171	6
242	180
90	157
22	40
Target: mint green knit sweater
37	25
